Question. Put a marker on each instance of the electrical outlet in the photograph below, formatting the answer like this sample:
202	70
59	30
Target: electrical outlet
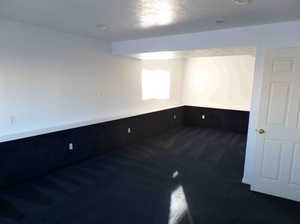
174	117
129	130
71	147
203	117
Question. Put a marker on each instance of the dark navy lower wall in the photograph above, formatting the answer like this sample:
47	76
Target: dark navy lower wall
35	156
228	120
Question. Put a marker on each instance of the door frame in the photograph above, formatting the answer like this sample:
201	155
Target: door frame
261	53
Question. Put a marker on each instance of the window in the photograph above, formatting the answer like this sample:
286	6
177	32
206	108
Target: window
155	84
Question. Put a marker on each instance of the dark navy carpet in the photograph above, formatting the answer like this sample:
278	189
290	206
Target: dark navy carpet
189	175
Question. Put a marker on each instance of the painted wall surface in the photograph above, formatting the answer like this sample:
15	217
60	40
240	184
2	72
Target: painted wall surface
51	81
263	37
219	82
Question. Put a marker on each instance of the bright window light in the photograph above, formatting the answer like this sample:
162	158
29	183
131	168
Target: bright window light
156	84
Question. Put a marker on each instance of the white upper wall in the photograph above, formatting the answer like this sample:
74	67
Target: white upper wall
219	82
51	81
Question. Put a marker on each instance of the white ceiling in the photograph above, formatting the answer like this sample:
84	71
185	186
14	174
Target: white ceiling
212	52
134	19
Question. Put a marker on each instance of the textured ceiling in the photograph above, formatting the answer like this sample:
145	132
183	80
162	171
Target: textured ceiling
212	52
134	19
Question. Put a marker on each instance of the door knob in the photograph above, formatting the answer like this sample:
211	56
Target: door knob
260	131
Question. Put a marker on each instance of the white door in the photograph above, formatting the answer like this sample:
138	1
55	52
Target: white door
277	156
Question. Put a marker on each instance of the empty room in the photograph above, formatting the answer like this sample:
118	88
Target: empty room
149	111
